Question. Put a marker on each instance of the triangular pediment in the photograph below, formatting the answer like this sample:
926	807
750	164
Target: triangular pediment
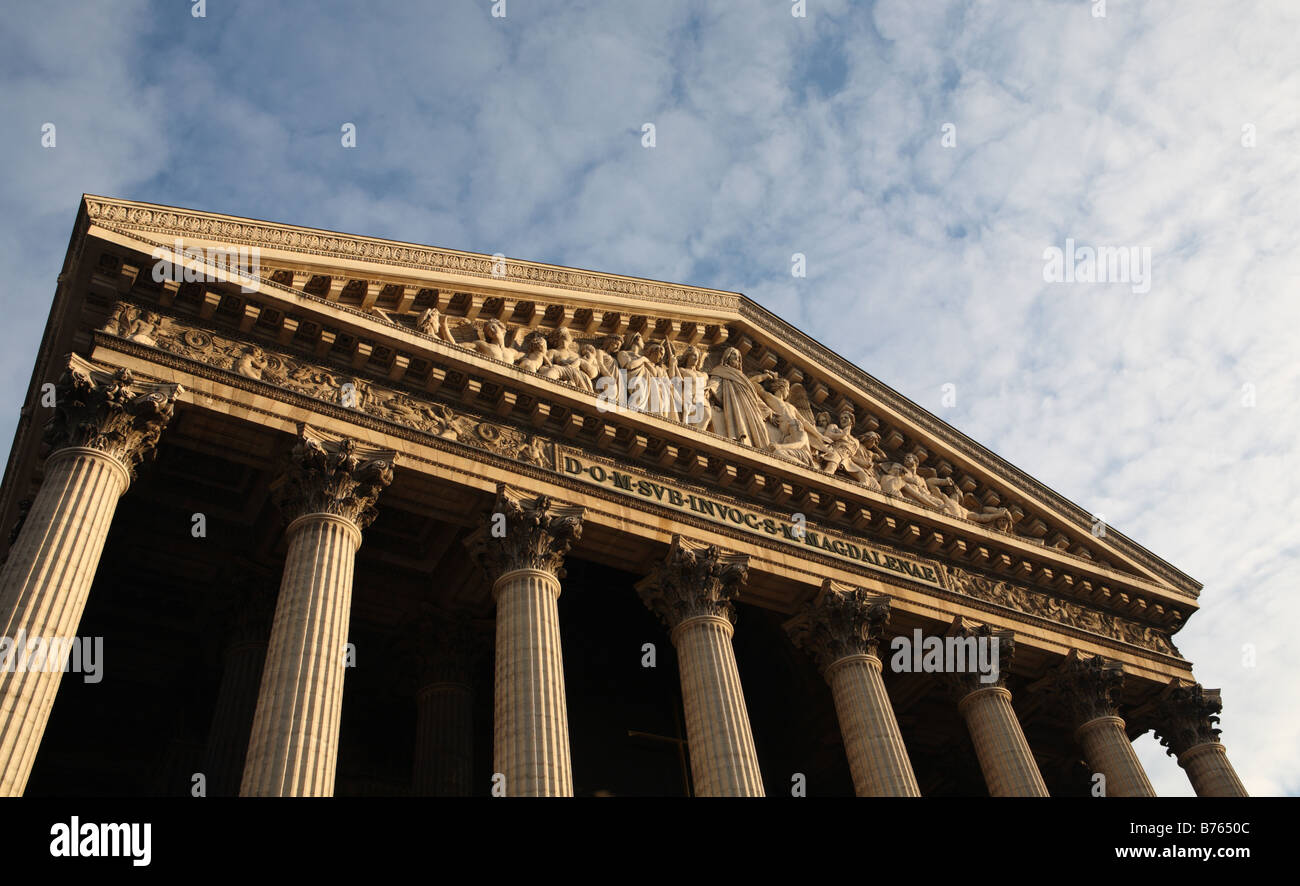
510	328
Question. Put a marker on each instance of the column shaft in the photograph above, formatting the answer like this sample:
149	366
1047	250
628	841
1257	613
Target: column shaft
1005	759
723	760
232	720
531	729
294	745
877	756
1107	749
1210	772
444	740
43	590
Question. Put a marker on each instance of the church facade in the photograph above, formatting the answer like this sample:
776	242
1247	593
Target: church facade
292	512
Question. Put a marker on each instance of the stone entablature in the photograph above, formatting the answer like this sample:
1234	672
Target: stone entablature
381	334
420	416
544	423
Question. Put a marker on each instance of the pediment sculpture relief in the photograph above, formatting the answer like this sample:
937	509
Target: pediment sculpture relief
712	391
707	389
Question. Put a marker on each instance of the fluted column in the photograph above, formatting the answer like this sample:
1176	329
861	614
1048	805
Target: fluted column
842	628
691	591
522	548
105	423
328	494
1087	687
1005	759
1186	718
447	651
241	675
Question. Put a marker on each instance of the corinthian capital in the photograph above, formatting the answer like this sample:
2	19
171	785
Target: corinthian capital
105	408
1087	686
525	533
980	642
842	620
1186	715
334	475
694	579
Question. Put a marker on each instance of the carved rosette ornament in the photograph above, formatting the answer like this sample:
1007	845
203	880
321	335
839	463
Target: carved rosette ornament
334	475
842	620
1185	716
1088	686
525	533
106	409
694	580
962	683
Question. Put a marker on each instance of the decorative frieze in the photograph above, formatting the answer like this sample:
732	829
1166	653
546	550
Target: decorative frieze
1067	612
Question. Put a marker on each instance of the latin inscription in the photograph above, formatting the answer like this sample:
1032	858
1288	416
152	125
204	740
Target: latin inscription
755	522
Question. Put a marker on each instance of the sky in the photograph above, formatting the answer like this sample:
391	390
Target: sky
922	156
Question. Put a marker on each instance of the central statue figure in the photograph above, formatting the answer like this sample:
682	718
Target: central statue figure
742	415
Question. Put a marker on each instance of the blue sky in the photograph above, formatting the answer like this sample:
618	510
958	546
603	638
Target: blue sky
775	135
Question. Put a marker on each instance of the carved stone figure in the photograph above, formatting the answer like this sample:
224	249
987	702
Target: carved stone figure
133	324
535	358
610	345
433	322
845	452
440	420
252	363
496	342
966	506
794	434
566	362
663	400
741	414
693	386
589	363
904	481
637	369
793	444
537	451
